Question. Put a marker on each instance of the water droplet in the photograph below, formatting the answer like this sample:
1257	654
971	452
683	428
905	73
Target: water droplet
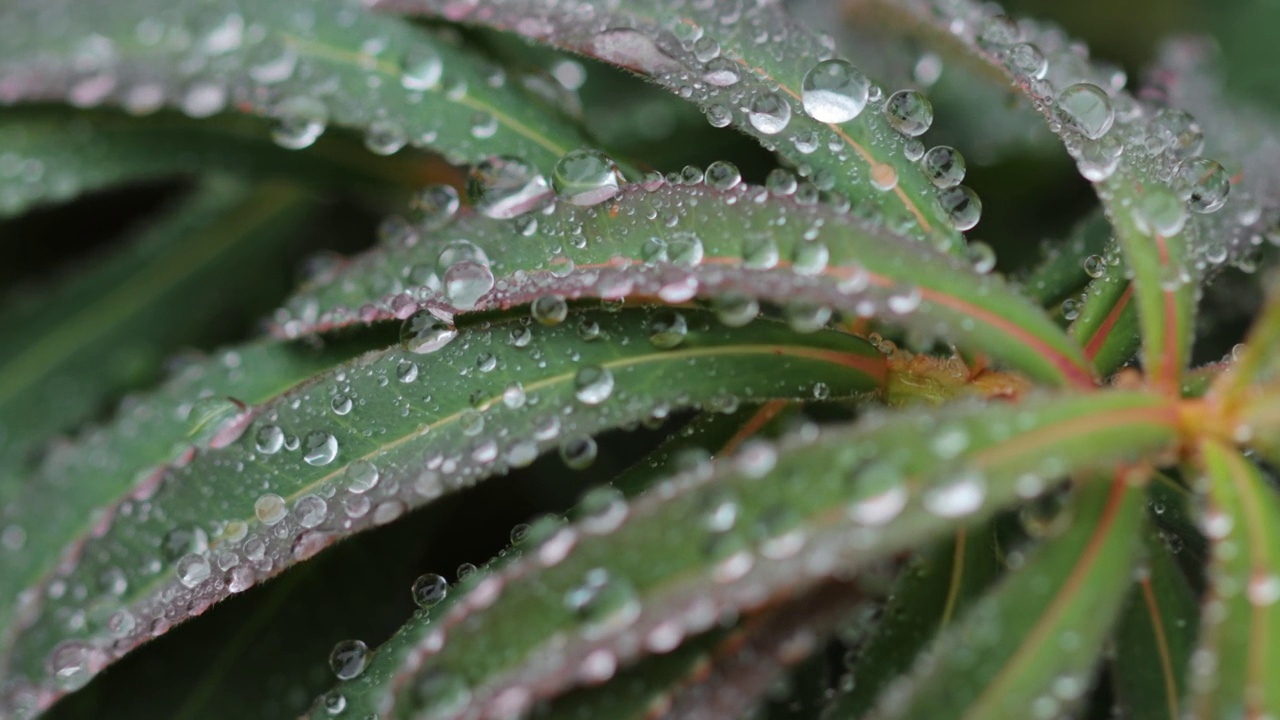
320	448
192	569
593	384
962	206
961	496
769	113
550	310
1263	589
269	439
1026	60
70	665
504	187
208	416
466	282
362	476
735	310
348	659
944	166
1204	183
341	404
759	251
578	453
269	509
908	112
384	137
334	702
668	329
879	497
421	68
833	91
1095	266
436	205
300	121
424	333
1086	109
310	510
407	371
428	590
586	177
722	175
722	72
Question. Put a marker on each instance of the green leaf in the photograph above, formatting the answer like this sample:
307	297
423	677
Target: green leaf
81	487
655	570
936	587
755	81
1144	189
1061	274
362	443
82	151
1107	327
1030	645
672	243
108	326
304	64
1232	672
1154	638
720	674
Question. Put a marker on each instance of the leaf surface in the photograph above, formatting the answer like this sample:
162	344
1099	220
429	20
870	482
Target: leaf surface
673	243
633	579
744	66
1031	644
356	447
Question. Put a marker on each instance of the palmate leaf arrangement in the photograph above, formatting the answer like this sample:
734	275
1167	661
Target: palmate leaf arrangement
893	484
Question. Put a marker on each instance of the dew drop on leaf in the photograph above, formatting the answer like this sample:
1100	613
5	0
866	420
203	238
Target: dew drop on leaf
834	91
547	310
586	177
908	112
769	113
1204	183
504	187
593	384
319	448
192	569
668	329
299	122
421	68
428	590
578	453
944	166
348	659
1085	108
269	509
424	333
269	439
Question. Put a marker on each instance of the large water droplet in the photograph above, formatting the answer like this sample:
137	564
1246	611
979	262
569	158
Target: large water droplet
769	113
961	496
269	439
310	510
504	187
269	509
1086	109
319	448
466	282
962	206
549	310
1159	211
1204	183
424	333
586	177
428	590
422	68
593	384
192	570
880	495
71	666
908	112
833	91
300	121
944	166
348	659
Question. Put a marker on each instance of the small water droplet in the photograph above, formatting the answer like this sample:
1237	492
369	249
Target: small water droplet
549	310
300	121
504	187
421	68
192	569
269	509
722	175
269	439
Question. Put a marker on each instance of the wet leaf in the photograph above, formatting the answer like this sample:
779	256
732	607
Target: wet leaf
637	578
82	151
673	243
306	66
1154	637
359	445
1231	667
1031	644
107	327
754	67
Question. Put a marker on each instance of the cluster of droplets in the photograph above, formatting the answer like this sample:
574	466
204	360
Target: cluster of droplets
1108	131
277	66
